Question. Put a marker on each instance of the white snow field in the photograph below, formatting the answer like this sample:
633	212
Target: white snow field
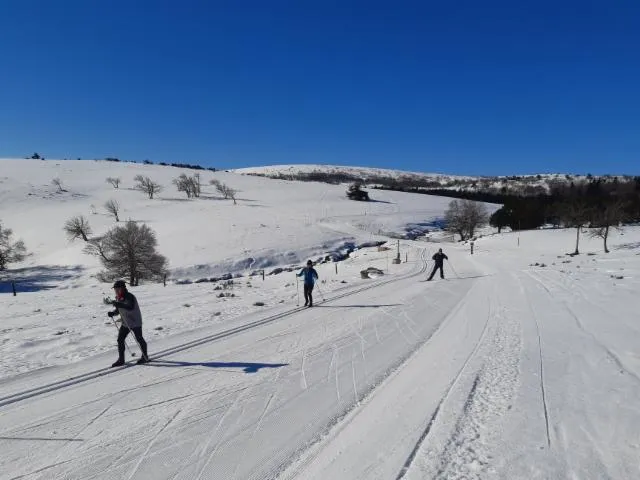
523	363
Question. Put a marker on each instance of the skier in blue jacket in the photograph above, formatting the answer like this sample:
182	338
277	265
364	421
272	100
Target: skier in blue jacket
310	276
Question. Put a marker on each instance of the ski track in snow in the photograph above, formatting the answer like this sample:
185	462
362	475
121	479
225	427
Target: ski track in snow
248	418
468	454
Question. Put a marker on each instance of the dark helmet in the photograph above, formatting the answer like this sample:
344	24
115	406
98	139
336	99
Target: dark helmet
120	284
309	262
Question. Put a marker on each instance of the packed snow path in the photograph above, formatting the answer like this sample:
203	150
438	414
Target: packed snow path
502	371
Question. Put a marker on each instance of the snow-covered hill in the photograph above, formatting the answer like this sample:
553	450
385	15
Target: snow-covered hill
517	184
274	223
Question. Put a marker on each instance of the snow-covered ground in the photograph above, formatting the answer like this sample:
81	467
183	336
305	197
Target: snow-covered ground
523	363
58	315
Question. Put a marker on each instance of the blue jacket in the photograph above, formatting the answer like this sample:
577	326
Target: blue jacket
310	275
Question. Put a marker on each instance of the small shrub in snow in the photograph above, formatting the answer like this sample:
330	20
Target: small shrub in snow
56	182
115	182
225	190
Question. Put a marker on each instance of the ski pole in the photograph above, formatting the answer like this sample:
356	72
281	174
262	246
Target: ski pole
297	292
321	294
454	270
133	354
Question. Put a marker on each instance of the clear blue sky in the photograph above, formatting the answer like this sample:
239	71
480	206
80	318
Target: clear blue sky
466	86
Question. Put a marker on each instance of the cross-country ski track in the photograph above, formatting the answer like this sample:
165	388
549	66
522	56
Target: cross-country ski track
500	371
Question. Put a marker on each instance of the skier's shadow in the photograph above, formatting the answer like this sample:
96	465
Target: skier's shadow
246	367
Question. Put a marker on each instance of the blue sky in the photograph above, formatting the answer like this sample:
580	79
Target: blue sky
467	87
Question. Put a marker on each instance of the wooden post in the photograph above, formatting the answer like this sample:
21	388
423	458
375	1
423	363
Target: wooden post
336	268
164	280
263	274
13	287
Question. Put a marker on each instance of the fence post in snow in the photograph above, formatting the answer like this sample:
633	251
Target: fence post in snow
263	274
336	268
164	280
13	287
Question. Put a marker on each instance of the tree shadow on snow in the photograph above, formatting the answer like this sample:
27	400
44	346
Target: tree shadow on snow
246	367
35	279
380	201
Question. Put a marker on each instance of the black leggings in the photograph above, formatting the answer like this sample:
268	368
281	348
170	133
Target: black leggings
435	269
308	298
122	334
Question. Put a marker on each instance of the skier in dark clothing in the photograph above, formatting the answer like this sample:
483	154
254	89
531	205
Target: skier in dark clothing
310	277
127	306
439	259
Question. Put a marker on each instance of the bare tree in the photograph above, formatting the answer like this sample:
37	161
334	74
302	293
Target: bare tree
231	193
197	185
56	182
575	213
475	214
114	181
454	219
113	208
10	251
225	190
606	218
129	251
464	217
146	185
78	227
186	184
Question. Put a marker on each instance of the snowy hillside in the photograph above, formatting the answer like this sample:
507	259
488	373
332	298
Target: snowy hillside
364	172
517	184
275	223
521	364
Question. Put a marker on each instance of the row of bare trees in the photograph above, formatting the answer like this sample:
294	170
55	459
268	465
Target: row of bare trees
600	219
190	185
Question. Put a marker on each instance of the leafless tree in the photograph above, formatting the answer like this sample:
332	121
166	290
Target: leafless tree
114	181
78	227
56	182
129	251
225	190
187	184
10	251
113	208
197	185
610	216
575	213
146	185
464	217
